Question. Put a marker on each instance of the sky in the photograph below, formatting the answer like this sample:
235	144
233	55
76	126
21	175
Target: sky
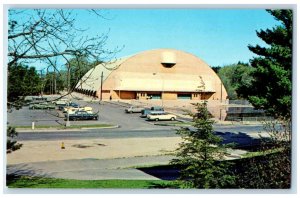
219	37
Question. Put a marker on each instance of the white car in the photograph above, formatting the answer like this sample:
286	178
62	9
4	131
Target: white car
160	116
134	109
72	110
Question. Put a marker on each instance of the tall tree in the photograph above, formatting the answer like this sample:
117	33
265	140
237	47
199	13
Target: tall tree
271	87
48	35
232	76
11	143
22	81
200	154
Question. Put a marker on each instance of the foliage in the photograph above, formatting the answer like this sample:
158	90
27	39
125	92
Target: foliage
53	83
11	144
78	67
271	87
272	168
232	76
200	155
216	68
51	37
22	81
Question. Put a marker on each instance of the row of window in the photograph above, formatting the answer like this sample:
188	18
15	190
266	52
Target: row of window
144	95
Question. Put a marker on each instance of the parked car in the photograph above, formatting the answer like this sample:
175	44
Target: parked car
62	101
71	110
83	115
134	109
147	111
62	106
72	104
157	108
43	105
160	116
67	108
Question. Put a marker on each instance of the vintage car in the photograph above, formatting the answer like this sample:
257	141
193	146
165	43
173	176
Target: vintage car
82	115
147	111
157	116
134	109
43	105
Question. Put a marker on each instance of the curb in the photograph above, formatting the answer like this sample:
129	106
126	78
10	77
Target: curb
22	130
112	127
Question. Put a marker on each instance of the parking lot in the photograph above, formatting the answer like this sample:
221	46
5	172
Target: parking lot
109	113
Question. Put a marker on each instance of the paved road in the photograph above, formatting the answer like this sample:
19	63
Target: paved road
131	126
96	133
149	131
93	169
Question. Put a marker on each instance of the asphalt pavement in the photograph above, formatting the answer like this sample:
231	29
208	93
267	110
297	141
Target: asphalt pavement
131	125
91	169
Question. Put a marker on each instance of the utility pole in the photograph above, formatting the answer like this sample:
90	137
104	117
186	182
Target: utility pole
54	81
42	83
221	92
101	87
69	77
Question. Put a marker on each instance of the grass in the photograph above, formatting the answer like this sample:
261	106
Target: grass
64	127
38	182
261	153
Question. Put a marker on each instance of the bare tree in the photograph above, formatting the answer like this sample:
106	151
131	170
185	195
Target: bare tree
49	35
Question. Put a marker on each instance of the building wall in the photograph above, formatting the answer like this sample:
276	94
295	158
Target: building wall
196	96
127	95
169	96
141	95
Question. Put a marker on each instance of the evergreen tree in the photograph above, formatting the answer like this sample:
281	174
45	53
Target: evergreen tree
271	87
200	154
11	144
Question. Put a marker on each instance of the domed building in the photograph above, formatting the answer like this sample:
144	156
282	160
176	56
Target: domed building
165	74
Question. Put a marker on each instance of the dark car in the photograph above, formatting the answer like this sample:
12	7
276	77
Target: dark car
44	105
62	106
148	111
83	115
157	108
72	104
145	112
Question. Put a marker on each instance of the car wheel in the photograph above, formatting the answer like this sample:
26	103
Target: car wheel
156	119
172	118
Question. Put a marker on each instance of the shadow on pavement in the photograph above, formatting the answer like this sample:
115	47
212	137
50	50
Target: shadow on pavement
15	172
241	140
165	172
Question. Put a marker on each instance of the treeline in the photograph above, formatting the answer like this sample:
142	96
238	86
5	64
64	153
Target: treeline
235	77
26	80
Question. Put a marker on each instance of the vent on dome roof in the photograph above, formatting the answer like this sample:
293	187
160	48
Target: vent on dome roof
168	59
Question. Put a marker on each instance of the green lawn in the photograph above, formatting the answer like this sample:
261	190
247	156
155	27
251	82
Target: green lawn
36	182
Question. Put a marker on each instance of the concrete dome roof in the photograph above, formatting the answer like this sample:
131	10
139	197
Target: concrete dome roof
154	70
